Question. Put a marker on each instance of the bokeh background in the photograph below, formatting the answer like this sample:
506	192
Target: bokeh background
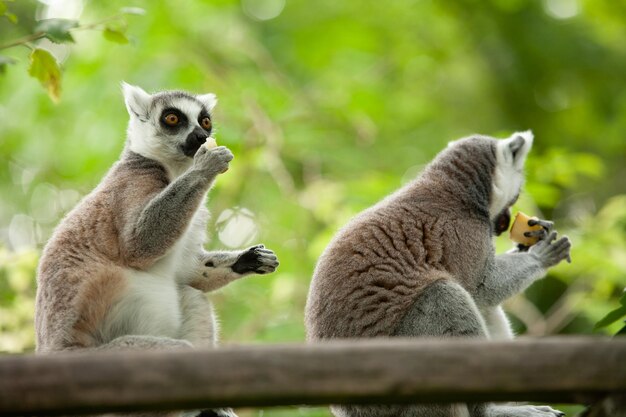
328	106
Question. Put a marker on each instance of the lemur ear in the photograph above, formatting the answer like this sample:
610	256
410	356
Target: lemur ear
137	101
209	100
518	146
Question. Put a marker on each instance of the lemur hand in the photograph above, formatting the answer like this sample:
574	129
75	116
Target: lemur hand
256	259
541	234
551	252
212	161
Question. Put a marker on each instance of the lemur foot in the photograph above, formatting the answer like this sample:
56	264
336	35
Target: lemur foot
222	412
547	410
551	251
524	411
256	259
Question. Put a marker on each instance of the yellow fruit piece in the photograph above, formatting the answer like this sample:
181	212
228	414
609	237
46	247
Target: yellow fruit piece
520	226
210	143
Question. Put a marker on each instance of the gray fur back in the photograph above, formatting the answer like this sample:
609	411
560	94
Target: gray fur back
85	248
434	228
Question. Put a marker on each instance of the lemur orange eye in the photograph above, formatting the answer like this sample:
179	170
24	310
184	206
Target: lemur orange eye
171	119
206	123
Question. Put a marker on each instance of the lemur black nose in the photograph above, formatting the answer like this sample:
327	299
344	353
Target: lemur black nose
194	140
200	135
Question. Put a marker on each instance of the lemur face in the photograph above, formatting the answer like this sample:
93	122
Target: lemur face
508	177
169	125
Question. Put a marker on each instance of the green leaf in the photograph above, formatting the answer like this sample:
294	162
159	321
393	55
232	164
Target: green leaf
114	35
138	11
4	11
4	61
57	30
45	68
12	18
612	317
622	300
621	332
7	294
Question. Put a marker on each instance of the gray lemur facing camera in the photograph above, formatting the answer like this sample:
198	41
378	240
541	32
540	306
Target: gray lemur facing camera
421	263
126	267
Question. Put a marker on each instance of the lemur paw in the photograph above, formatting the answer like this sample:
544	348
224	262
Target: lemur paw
213	161
256	259
542	234
222	412
551	251
536	411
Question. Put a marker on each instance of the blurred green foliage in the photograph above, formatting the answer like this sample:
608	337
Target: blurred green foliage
329	106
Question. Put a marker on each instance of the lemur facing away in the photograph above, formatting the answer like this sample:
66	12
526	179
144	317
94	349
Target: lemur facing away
126	268
421	263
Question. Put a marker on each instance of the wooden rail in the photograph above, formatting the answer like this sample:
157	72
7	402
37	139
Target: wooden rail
579	370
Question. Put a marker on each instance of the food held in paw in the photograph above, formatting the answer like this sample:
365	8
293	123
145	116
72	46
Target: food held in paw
520	226
210	143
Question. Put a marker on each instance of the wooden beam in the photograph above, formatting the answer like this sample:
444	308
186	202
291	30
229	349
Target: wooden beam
578	370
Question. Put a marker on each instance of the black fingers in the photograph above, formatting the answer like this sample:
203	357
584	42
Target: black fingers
541	234
544	232
256	259
547	225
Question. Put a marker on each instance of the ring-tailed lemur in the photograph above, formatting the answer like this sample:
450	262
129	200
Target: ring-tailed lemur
126	267
422	263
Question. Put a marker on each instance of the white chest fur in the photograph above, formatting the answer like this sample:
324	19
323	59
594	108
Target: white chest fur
151	304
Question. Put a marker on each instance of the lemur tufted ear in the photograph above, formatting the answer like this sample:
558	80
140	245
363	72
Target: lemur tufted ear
137	101
518	146
209	100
